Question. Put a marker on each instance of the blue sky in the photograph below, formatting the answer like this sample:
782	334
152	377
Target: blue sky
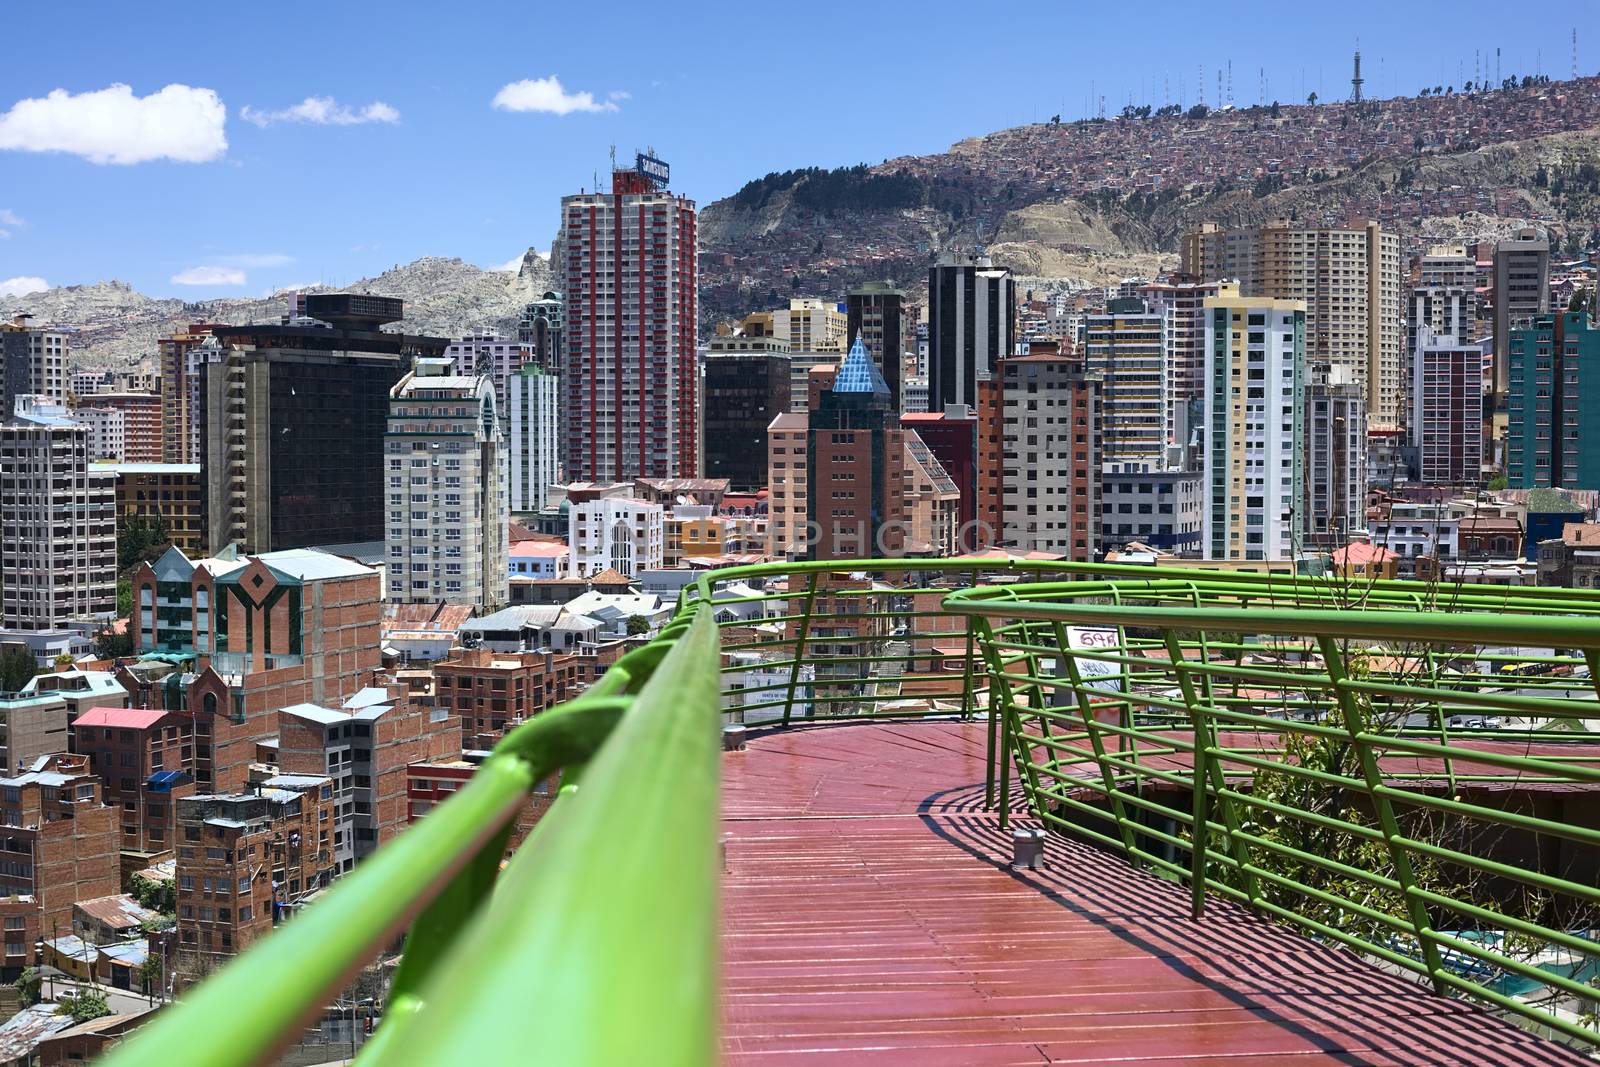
372	136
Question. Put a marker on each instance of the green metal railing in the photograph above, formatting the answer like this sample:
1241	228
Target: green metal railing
1299	760
1412	706
612	899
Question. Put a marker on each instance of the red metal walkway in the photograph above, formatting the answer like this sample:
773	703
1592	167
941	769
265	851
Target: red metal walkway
869	918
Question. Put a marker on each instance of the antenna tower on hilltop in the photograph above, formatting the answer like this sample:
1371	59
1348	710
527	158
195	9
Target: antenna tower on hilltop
1355	80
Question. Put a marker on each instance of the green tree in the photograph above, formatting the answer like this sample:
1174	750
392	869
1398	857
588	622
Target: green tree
17	666
108	644
140	539
27	986
150	974
88	1003
1498	482
157	896
1312	99
638	624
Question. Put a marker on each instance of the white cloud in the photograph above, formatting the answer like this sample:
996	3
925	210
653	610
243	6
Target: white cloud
547	95
22	286
510	264
9	218
209	276
257	259
619	95
323	111
112	125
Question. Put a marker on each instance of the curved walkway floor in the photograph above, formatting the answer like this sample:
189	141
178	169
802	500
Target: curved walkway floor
870	918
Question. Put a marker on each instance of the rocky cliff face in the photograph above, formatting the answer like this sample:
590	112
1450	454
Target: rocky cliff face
117	327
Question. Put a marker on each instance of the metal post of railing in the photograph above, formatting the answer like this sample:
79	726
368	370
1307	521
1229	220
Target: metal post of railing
1416	910
1200	835
966	677
1205	738
799	651
1443	727
989	727
999	701
1108	775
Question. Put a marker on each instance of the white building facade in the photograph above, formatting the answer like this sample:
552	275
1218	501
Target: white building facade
445	493
1255	418
617	533
533	429
58	524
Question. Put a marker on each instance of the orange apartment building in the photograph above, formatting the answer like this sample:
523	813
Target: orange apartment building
141	422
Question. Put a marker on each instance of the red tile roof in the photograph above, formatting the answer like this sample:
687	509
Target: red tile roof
120	718
539	549
1362	552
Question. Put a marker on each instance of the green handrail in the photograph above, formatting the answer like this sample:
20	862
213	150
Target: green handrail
610	905
664	750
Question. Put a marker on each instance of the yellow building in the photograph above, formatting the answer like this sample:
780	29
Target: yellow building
787	511
172	491
812	325
1349	280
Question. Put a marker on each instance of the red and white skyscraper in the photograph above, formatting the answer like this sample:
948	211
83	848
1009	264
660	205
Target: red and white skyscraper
630	276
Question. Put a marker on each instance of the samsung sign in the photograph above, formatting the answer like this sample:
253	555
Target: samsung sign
652	168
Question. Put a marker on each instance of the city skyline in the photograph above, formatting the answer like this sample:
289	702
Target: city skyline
216	153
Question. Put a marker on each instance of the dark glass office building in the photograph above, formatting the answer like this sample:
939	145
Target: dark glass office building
875	313
292	424
743	394
972	324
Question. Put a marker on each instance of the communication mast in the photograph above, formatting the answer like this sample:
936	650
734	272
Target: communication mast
1355	80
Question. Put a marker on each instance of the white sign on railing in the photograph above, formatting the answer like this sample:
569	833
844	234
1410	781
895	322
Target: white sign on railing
1096	673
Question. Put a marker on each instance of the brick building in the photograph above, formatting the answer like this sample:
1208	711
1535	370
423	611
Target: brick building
1051	473
58	841
365	746
140	757
266	632
31	725
244	858
490	692
141	423
856	459
19	914
952	436
430	784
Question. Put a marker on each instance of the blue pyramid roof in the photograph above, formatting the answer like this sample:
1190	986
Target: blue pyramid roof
858	374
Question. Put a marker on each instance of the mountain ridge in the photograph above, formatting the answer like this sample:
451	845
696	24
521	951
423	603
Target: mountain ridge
115	326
